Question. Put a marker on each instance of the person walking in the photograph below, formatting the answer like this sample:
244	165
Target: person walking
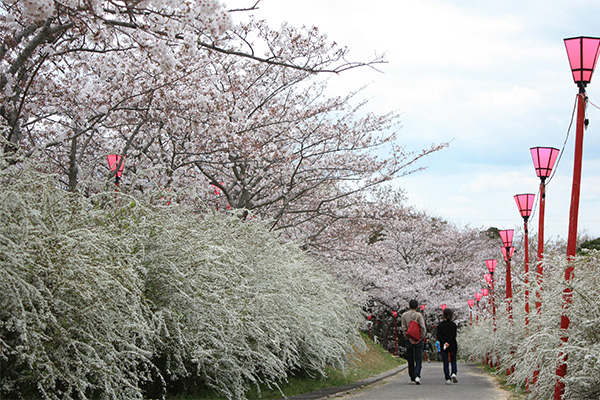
446	333
414	348
437	347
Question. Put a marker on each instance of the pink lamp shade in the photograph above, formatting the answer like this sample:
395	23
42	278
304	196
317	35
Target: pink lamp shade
369	317
423	307
394	314
443	307
525	204
510	253
583	55
491	265
113	163
543	160
488	278
471	302
478	297
507	237
484	292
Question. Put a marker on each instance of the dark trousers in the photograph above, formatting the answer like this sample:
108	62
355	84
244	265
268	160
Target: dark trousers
449	362
414	356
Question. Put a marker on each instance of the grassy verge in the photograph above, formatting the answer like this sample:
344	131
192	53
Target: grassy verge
375	360
516	392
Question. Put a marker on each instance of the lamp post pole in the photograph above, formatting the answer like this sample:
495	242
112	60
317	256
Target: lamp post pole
491	266
583	55
543	161
507	252
478	299
116	163
525	206
395	315
471	302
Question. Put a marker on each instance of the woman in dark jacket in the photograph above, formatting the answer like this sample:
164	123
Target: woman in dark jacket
446	333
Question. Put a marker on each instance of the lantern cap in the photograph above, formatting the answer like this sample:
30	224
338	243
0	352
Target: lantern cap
543	160
582	52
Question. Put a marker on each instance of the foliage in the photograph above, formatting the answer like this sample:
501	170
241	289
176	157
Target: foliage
589	245
126	298
537	345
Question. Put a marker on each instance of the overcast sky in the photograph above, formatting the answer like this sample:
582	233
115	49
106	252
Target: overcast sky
492	77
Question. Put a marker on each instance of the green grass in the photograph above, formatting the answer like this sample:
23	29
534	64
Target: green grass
374	361
516	392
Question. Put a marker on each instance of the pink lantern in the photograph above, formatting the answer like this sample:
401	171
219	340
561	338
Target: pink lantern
114	162
543	160
491	265
525	204
488	278
423	307
443	307
583	55
484	292
508	257
394	314
471	302
507	237
478	297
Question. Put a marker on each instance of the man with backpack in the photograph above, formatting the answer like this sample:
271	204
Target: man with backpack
414	341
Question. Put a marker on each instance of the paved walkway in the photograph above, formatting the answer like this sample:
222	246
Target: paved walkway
473	384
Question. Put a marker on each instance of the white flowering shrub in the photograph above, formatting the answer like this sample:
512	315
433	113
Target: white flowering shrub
531	351
129	299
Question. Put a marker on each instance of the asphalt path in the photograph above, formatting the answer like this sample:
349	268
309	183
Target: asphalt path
473	384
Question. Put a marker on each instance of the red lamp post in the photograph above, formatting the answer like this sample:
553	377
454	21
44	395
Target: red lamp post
583	55
471	302
525	206
507	238
491	266
395	315
478	299
369	324
116	163
488	278
543	161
